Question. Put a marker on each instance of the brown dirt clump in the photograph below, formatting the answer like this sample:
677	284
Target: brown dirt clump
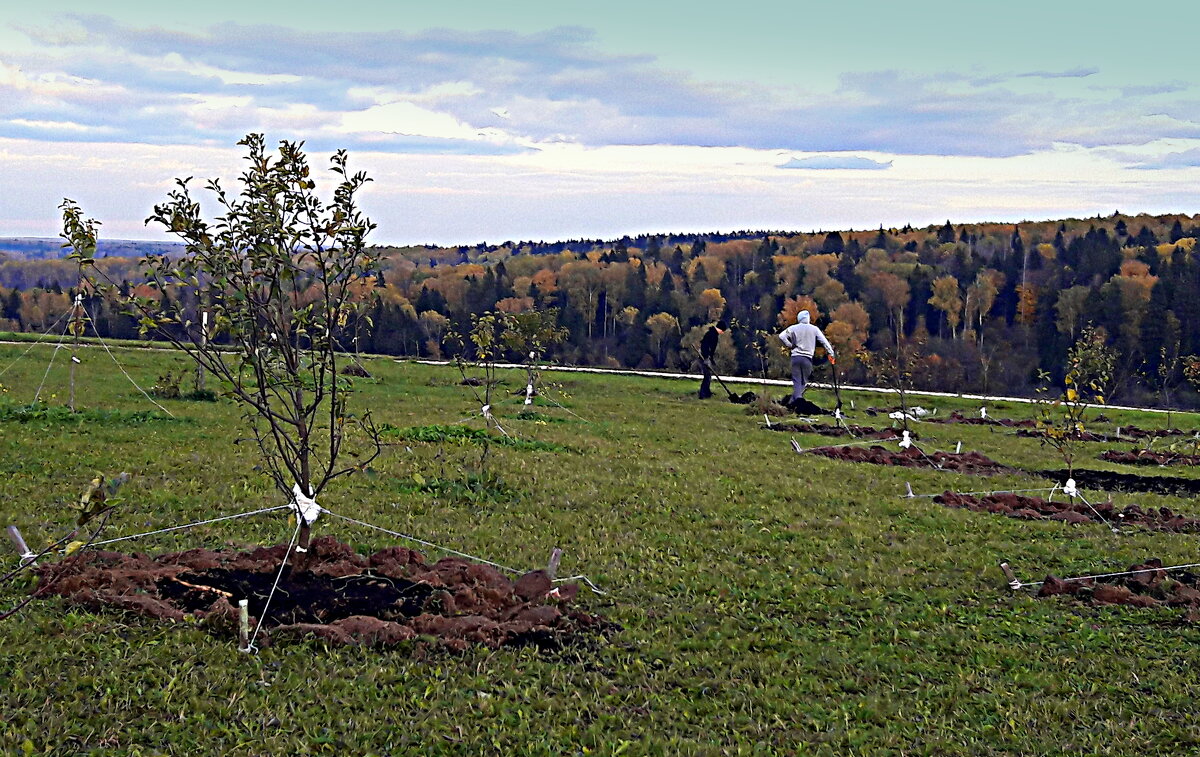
957	417
958	462
1148	457
861	432
331	593
1069	511
1127	433
1148	586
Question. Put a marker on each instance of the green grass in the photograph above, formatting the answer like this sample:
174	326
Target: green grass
460	435
770	603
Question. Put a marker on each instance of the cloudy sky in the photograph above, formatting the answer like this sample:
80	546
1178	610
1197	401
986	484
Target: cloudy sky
546	120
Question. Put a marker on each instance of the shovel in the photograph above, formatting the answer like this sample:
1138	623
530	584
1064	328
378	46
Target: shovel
737	399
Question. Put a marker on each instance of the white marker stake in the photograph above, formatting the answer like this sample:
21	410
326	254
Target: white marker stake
243	625
796	446
19	542
908	492
958	448
983	413
552	566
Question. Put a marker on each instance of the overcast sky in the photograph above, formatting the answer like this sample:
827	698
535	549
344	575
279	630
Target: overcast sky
547	120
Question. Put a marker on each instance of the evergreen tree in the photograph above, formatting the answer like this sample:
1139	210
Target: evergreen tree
945	234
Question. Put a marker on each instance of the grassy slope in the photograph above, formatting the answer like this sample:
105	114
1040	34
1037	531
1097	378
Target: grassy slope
769	603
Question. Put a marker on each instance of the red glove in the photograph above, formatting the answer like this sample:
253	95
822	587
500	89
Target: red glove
831	360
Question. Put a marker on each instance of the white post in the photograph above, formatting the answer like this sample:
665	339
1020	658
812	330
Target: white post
552	566
203	343
243	625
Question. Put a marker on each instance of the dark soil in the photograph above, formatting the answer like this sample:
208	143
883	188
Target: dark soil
1153	587
354	369
963	462
957	417
803	406
1172	486
1127	432
1148	457
1069	511
862	432
332	593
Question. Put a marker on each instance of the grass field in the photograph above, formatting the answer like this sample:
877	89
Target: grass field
769	603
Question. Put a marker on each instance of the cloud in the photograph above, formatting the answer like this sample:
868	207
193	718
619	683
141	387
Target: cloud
1074	73
1172	160
831	162
496	91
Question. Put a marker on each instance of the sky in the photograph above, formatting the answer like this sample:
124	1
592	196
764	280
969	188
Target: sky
490	121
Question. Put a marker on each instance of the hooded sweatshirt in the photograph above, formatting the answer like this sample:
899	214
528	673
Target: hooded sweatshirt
802	337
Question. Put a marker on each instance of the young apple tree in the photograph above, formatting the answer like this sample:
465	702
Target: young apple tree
259	299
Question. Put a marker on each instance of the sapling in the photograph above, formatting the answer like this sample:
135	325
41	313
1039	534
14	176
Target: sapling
276	271
894	366
1089	369
530	334
93	510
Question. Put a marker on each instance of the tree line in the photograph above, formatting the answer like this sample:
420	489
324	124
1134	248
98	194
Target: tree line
990	304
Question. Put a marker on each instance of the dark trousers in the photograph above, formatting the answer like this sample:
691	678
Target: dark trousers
706	382
801	370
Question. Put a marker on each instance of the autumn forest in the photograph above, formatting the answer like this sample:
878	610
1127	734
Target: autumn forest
988	305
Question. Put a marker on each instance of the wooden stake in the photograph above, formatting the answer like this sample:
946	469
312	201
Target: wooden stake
76	332
19	542
203	343
1013	583
552	566
243	625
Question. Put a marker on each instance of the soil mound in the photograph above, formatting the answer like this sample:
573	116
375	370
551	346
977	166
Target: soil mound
1148	457
1127	432
333	593
1172	486
862	432
961	462
1148	586
1069	511
957	417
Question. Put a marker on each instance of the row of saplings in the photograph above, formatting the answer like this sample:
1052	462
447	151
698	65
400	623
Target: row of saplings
285	365
1061	425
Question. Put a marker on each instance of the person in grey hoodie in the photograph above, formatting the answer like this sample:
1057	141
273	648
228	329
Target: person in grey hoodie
801	339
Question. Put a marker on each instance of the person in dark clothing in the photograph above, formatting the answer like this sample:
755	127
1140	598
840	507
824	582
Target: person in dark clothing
708	353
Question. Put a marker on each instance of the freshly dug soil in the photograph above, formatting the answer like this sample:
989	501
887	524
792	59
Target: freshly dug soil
1068	511
957	417
964	462
1172	486
332	593
862	432
1127	432
1149	457
1153	587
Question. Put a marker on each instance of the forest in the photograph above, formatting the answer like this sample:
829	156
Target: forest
988	306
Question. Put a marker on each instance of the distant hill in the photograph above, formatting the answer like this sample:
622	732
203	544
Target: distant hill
40	248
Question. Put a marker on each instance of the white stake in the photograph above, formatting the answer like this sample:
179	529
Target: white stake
19	542
552	566
908	491
958	448
243	625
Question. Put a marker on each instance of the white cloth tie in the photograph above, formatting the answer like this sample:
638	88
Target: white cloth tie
306	507
1069	488
905	440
